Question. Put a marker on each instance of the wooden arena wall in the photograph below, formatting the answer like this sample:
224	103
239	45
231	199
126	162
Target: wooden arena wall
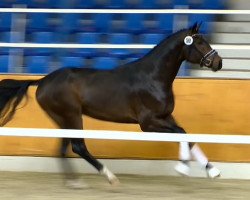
202	106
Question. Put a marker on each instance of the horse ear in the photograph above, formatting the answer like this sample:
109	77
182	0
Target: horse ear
196	27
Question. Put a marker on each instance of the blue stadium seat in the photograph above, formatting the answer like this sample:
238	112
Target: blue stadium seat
11	3
141	4
72	61
43	38
151	38
39	22
4	60
148	4
117	4
37	64
120	38
165	4
105	63
101	4
4	37
84	4
40	3
5	22
96	22
70	23
4	51
207	4
87	38
180	2
134	23
165	23
102	22
7	37
132	4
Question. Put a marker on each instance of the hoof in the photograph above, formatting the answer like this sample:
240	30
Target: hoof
112	179
213	172
182	169
75	184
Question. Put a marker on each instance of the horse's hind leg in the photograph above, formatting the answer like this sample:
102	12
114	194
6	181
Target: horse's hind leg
71	178
79	147
73	120
65	164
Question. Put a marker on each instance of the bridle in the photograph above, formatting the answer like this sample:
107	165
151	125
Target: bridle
206	59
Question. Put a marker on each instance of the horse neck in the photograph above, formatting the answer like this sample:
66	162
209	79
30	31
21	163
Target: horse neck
167	57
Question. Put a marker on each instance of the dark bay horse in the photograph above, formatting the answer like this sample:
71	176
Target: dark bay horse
137	92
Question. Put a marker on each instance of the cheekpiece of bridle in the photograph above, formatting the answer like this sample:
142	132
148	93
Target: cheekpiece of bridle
207	58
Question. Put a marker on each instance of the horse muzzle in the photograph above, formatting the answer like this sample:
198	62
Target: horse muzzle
212	60
218	66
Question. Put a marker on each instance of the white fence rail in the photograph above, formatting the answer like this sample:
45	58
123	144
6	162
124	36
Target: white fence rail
126	11
109	46
122	135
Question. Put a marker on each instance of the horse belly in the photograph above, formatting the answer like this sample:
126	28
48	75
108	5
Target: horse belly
109	108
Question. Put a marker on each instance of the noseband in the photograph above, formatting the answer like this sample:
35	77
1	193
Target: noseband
206	59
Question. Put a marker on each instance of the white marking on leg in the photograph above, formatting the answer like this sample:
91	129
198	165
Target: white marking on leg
184	151
110	176
198	155
184	155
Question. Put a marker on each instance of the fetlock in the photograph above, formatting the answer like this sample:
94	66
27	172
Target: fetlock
113	180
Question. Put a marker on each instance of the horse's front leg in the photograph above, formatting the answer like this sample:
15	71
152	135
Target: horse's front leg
186	150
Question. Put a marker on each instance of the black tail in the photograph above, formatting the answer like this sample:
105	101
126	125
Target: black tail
11	94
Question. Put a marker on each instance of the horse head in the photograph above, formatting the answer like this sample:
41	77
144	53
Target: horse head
198	50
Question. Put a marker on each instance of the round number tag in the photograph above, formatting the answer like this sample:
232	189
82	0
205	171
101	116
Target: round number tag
188	40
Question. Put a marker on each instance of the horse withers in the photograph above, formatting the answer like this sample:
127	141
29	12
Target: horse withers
138	92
